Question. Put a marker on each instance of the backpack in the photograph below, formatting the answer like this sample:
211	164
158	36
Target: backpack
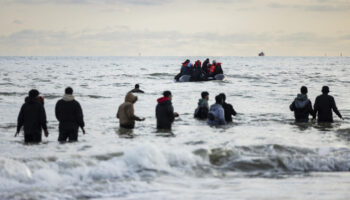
201	113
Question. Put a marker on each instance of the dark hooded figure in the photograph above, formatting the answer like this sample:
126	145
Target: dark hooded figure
228	108
302	106
165	112
218	69
70	116
324	104
32	117
198	74
205	65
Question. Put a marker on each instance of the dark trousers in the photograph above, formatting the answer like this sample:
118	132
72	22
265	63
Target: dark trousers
302	120
68	133
32	137
127	126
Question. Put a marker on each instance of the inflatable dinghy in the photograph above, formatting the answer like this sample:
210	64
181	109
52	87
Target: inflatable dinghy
187	78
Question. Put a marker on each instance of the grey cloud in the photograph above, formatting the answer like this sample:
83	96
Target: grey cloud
325	6
123	41
16	21
345	37
124	33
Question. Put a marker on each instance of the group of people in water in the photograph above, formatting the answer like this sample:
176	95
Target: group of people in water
32	117
69	113
199	71
323	107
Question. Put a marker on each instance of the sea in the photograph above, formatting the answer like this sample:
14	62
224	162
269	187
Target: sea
262	155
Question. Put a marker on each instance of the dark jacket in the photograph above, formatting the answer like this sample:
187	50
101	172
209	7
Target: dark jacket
205	66
164	113
202	110
186	70
302	107
324	104
32	116
198	74
229	111
136	90
218	69
69	113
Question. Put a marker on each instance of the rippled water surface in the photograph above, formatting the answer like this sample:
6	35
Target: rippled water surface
263	154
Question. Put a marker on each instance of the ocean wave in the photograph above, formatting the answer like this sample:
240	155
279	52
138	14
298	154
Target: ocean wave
277	158
13	94
161	74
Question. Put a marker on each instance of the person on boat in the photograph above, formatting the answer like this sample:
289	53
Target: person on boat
324	104
165	111
185	69
137	89
228	109
205	66
218	69
202	109
126	114
215	69
32	117
198	74
216	115
302	106
70	116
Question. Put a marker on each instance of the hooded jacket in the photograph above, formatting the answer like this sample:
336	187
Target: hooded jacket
125	112
205	66
69	113
302	107
202	110
324	104
164	113
217	115
32	116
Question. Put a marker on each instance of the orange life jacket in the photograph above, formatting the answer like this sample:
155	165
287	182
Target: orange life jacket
212	68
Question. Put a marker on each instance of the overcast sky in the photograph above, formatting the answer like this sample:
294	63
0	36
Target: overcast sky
174	27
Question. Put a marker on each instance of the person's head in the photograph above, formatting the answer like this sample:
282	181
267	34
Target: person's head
205	95
130	97
33	93
137	86
303	90
325	89
214	62
68	90
223	96
218	99
167	94
186	62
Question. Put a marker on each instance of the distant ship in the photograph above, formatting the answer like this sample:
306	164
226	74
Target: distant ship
261	54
